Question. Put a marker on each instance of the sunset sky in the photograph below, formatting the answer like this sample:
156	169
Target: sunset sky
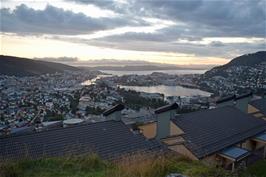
165	31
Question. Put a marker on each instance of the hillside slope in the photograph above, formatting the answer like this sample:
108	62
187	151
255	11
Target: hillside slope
15	66
249	60
241	74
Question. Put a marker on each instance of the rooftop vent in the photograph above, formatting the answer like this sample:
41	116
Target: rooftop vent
164	115
72	122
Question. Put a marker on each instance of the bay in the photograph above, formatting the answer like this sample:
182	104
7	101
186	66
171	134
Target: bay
177	71
168	90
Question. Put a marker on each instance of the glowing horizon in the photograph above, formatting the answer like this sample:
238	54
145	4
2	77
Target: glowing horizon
127	30
56	48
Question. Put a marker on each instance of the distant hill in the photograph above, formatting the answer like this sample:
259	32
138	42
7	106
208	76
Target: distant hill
242	74
132	68
27	67
145	67
250	60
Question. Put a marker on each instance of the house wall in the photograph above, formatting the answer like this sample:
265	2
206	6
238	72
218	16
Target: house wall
259	145
252	145
252	109
149	130
173	140
175	130
181	149
210	160
259	115
216	160
256	112
249	145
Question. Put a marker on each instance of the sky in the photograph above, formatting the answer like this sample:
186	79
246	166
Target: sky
184	32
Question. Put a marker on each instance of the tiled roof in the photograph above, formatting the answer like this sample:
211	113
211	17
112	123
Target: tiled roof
260	104
210	131
109	139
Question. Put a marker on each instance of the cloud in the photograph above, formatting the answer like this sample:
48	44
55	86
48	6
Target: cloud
233	18
53	20
221	28
203	19
226	17
114	5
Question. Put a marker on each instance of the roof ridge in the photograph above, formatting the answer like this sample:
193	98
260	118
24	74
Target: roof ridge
204	110
57	129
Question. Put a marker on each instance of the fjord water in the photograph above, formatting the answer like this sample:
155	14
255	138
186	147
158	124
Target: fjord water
176	71
163	89
168	90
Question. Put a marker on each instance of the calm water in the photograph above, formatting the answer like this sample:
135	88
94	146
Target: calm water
168	90
179	71
92	81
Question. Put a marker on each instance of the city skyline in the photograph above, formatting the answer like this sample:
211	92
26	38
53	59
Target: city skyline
174	32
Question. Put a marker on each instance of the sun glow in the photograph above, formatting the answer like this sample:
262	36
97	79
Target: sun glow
31	47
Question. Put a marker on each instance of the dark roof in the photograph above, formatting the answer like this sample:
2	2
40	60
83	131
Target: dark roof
260	104
118	107
166	108
225	99
109	139
244	95
212	130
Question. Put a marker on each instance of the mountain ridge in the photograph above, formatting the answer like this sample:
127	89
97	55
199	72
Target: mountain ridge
17	66
250	60
241	74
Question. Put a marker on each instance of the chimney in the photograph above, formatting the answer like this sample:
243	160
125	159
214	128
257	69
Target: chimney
164	115
114	113
226	101
242	101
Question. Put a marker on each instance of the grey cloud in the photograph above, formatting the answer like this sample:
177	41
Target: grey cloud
107	5
233	18
53	20
204	18
226	17
142	43
217	44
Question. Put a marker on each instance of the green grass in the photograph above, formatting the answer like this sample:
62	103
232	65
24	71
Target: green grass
257	170
88	166
135	166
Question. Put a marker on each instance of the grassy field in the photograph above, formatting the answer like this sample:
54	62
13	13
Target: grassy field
135	166
256	170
